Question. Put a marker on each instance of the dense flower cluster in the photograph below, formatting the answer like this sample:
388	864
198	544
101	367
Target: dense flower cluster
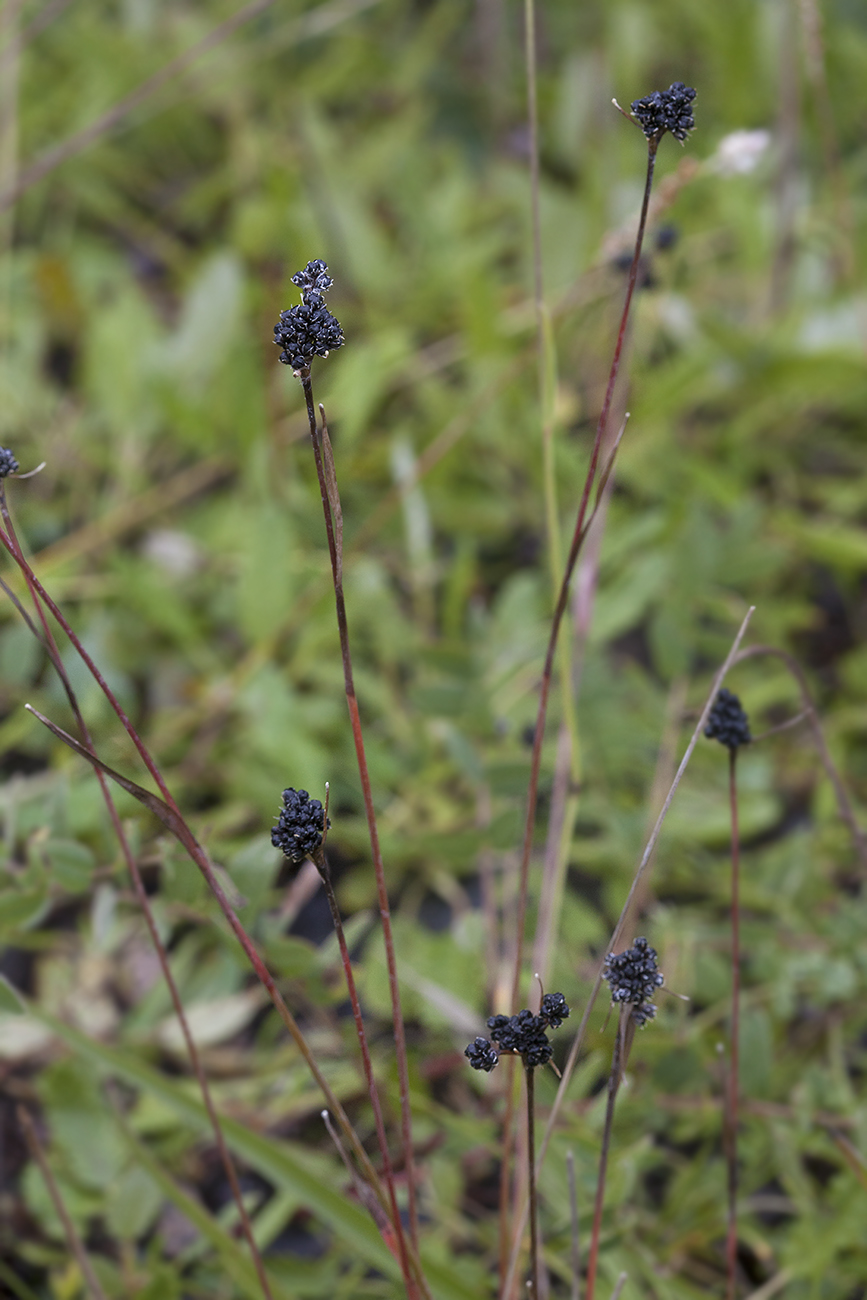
666	110
309	330
727	721
300	826
8	463
523	1034
634	976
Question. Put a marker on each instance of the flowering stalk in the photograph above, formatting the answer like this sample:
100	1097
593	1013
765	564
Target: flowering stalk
303	332
661	112
300	833
46	638
524	1035
729	725
633	977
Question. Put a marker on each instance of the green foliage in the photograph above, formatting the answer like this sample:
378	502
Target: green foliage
178	522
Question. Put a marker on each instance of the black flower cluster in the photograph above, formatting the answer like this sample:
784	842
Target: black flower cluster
309	330
523	1034
727	721
300	826
8	463
666	110
634	976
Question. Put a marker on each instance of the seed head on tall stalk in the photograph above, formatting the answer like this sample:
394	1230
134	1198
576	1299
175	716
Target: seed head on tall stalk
729	725
303	332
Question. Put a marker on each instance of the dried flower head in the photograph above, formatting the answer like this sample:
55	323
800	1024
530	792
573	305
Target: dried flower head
308	330
523	1034
8	463
634	976
300	826
727	721
666	110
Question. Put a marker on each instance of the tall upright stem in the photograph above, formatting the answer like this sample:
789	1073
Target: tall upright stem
732	1107
563	596
613	1085
373	832
388	1172
529	1074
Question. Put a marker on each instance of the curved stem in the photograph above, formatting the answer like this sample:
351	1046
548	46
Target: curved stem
47	639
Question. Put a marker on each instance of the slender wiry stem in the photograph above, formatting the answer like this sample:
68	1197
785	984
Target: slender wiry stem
529	1074
732	1106
73	1240
563	597
637	881
613	1086
171	816
325	876
575	1241
330	506
47	639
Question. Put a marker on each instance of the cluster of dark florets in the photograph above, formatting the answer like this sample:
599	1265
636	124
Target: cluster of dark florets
666	110
8	463
524	1035
634	976
300	826
727	721
309	330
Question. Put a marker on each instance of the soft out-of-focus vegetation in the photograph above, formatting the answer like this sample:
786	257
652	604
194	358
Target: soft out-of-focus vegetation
178	522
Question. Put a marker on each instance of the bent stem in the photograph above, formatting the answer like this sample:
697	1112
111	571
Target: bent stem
47	640
618	1064
732	1100
321	863
563	596
334	529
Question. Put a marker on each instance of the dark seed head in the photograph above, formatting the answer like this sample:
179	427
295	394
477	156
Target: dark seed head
666	110
634	976
727	721
482	1055
8	463
308	330
554	1009
300	826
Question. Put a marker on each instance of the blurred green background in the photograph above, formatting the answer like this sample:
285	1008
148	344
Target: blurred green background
178	522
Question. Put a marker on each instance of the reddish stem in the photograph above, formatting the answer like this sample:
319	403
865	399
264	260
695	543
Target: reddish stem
198	855
144	904
373	832
613	1085
732	1107
325	876
563	596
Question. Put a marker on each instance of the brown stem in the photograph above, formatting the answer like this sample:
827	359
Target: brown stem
47	639
732	1107
73	1240
325	875
613	1085
563	597
529	1074
330	506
